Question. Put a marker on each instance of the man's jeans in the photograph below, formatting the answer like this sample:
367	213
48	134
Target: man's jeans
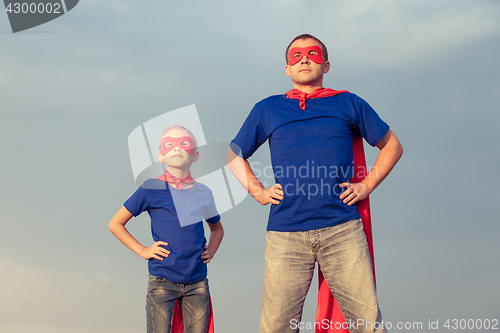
343	256
193	299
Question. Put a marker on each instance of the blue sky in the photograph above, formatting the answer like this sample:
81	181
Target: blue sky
73	89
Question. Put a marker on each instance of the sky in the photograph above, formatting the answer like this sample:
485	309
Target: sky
73	89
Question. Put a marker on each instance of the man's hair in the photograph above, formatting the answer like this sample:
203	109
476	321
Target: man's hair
306	36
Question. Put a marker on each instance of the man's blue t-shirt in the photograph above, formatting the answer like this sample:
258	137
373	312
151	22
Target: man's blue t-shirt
311	154
186	241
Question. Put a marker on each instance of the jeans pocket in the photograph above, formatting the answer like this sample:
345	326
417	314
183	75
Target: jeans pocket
154	282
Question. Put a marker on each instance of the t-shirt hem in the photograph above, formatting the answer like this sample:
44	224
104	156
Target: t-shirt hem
193	280
315	226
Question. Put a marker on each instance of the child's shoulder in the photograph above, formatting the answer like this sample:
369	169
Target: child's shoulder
153	184
201	187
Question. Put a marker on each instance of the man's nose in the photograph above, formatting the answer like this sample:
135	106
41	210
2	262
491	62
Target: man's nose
304	60
177	148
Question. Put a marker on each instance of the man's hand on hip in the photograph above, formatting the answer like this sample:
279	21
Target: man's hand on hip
354	192
273	195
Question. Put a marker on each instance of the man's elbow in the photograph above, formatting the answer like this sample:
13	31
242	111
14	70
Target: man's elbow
398	147
230	156
392	143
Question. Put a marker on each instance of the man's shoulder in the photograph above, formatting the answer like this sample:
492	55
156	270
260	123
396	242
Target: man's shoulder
270	100
346	98
345	95
350	96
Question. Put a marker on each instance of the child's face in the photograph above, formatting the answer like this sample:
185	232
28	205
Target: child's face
177	149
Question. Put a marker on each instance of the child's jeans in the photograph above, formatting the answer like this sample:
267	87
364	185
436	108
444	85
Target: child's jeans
193	300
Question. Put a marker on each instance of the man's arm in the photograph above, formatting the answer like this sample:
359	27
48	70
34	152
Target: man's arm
243	172
390	153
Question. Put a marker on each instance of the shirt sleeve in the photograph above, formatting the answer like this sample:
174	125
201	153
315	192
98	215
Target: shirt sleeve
367	122
138	202
211	214
251	135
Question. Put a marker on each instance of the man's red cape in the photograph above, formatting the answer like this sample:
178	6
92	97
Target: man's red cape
327	307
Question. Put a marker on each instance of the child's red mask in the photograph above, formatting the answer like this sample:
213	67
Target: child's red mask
184	142
297	53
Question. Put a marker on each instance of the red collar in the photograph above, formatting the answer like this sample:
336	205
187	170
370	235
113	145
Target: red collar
169	178
320	92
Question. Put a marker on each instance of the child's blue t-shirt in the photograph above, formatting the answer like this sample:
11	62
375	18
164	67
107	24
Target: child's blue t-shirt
176	218
311	154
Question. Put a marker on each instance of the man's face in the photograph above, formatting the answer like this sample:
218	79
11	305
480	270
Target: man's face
306	72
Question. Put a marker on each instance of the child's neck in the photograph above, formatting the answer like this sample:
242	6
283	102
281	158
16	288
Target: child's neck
179	173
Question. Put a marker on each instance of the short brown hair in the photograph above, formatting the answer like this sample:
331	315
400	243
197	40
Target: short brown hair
306	36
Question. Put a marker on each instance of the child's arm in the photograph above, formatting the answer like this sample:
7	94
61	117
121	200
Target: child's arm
216	235
117	227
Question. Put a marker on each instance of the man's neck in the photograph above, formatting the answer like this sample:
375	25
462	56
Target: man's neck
306	88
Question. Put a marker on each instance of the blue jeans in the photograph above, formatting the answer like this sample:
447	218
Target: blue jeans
344	259
193	299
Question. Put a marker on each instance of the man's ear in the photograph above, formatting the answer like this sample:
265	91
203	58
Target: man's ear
287	70
327	66
196	155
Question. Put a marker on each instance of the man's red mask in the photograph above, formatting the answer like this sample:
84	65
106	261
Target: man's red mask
184	142
297	53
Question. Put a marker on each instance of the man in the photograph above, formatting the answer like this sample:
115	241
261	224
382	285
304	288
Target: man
313	216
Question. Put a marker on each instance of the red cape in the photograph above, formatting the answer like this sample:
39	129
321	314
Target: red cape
327	305
178	325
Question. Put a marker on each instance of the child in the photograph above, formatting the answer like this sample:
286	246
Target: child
176	204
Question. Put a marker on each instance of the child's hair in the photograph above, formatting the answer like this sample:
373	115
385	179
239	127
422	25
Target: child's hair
181	127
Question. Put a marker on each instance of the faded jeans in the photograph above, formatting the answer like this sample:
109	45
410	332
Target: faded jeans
193	300
344	259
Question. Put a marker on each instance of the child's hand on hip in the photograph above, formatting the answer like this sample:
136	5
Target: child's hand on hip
155	251
205	256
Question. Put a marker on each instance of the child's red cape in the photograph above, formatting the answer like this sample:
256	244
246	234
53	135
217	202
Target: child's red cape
177	324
